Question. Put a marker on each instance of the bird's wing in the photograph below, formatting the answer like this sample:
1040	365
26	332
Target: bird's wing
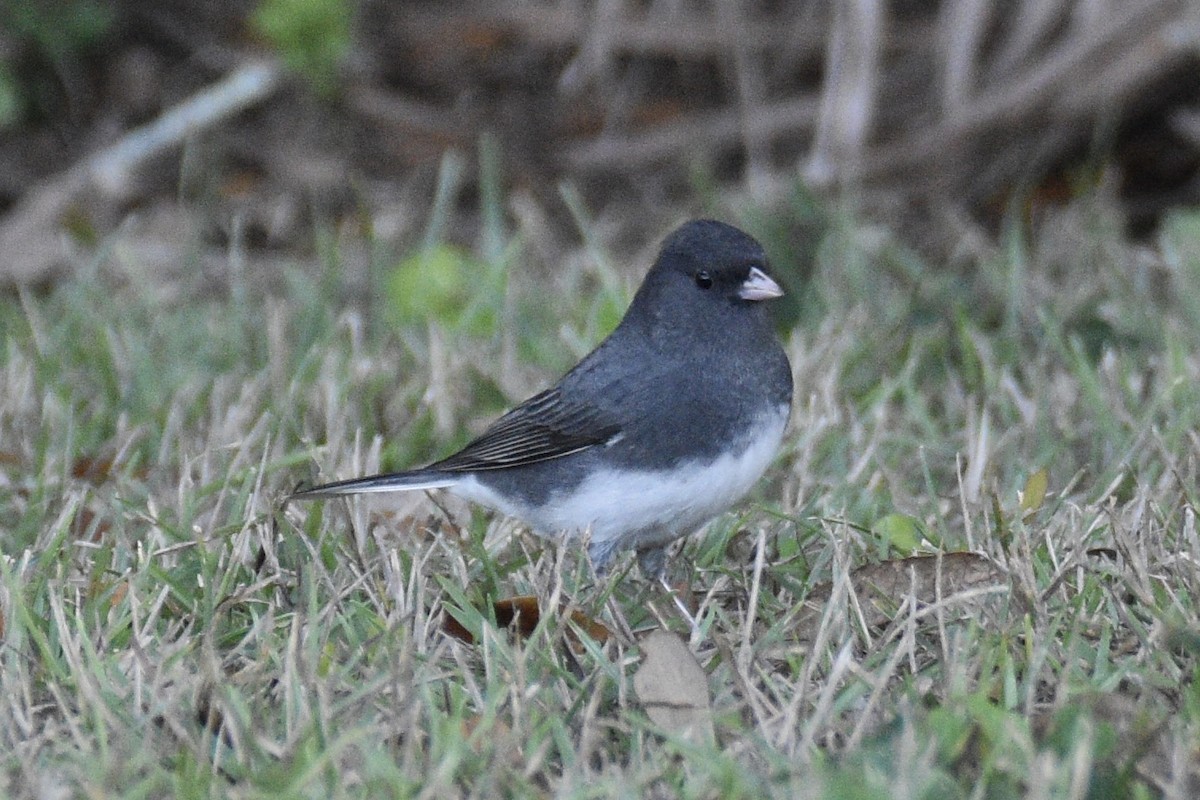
545	426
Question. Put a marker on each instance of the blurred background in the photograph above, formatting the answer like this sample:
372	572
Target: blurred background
250	243
937	120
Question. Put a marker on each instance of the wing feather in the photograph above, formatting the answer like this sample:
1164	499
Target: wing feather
545	426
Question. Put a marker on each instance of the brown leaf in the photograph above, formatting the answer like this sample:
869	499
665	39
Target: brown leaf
85	520
521	615
452	627
891	580
673	688
94	470
882	587
118	594
98	469
518	614
411	516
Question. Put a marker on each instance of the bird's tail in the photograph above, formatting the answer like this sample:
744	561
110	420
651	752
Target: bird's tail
412	480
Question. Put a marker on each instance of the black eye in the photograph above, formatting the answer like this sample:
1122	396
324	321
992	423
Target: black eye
703	279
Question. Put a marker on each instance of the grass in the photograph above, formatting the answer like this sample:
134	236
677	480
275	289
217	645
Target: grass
168	631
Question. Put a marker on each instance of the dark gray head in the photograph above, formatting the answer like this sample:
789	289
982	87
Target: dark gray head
701	262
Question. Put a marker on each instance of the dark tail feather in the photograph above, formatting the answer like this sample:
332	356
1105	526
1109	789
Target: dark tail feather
413	480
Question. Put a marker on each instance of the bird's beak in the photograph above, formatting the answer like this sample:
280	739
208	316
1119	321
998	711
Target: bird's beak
759	286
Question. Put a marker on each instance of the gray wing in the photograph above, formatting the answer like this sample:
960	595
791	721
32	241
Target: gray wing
545	426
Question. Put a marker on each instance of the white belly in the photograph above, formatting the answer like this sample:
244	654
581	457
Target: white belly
640	509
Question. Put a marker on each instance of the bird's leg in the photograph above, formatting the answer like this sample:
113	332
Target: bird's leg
653	563
692	622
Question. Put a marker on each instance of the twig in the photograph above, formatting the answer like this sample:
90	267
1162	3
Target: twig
670	34
29	236
1056	76
696	131
849	97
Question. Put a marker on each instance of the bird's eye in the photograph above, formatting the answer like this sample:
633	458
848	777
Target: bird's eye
703	279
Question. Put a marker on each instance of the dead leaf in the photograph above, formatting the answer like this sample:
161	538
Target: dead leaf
496	734
521	615
417	517
97	470
881	588
94	470
518	614
452	627
673	688
118	594
87	524
891	580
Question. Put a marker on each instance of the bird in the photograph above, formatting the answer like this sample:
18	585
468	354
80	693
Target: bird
666	424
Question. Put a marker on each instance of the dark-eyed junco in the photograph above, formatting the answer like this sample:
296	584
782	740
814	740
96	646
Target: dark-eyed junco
663	426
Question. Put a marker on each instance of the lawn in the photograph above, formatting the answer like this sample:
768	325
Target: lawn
1030	414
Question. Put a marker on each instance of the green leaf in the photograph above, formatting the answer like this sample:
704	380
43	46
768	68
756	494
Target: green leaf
11	104
312	36
609	311
444	284
1034	493
903	533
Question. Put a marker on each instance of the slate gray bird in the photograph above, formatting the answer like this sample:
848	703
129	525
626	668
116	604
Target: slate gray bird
667	423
